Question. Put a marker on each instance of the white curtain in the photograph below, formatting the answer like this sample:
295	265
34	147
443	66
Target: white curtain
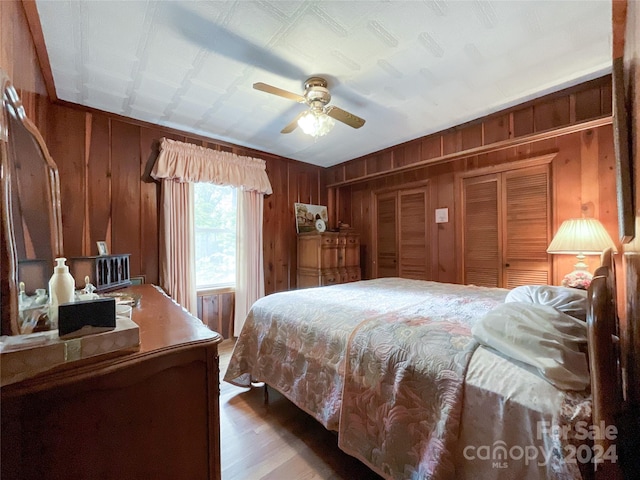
249	255
177	248
180	164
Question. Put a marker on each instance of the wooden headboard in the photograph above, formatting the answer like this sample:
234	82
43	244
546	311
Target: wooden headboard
604	364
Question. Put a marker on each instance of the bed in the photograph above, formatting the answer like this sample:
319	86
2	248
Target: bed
413	377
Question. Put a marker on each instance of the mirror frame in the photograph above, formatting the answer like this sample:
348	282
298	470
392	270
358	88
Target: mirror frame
12	106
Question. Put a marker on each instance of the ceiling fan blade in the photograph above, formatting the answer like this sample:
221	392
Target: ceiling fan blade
292	126
280	92
216	38
345	117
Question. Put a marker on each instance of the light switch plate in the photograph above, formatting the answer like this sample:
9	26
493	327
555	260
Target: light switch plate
442	215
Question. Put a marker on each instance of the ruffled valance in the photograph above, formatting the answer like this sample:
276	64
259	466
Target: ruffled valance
185	162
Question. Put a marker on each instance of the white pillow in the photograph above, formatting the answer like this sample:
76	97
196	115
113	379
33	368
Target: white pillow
571	301
540	336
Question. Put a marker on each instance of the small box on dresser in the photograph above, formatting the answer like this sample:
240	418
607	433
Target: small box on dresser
105	272
328	258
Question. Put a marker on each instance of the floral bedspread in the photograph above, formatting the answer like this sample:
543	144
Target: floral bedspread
380	361
402	398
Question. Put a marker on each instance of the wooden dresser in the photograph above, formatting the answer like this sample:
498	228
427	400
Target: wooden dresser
328	258
149	414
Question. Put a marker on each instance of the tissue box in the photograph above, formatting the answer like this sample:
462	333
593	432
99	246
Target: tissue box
24	356
86	317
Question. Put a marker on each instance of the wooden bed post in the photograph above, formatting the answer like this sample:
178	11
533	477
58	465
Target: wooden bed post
606	378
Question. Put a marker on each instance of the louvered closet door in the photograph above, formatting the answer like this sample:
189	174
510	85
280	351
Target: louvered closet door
413	234
482	263
526	227
386	236
506	228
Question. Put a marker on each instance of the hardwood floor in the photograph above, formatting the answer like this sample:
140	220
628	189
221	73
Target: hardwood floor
277	441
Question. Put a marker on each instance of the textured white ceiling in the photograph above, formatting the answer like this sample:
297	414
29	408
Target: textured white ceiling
409	68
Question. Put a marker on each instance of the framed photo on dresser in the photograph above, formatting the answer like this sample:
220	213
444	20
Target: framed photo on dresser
102	248
307	215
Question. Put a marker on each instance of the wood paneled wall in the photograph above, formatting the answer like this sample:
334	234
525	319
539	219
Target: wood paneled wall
19	60
583	170
564	111
217	311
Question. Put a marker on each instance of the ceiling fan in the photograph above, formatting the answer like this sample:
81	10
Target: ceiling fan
318	119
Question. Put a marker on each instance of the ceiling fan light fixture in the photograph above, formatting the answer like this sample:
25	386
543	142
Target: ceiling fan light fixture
316	123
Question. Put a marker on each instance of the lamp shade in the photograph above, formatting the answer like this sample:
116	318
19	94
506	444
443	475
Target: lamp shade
581	236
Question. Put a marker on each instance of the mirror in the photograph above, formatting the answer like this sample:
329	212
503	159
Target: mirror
31	222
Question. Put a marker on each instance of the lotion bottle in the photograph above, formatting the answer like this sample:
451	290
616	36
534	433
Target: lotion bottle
61	289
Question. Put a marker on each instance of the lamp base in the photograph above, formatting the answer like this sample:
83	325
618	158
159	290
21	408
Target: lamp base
577	279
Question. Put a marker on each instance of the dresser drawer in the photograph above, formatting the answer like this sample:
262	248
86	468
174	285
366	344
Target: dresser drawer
331	278
353	274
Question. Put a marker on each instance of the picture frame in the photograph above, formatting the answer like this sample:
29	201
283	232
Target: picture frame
102	248
622	148
307	214
138	280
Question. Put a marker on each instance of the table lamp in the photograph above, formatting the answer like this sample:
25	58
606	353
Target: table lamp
580	237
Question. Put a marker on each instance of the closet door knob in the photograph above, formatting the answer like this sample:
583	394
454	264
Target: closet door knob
507	265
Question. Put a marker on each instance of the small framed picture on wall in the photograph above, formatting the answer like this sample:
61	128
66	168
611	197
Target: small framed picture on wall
102	248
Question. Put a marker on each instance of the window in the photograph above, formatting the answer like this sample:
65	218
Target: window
215	216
